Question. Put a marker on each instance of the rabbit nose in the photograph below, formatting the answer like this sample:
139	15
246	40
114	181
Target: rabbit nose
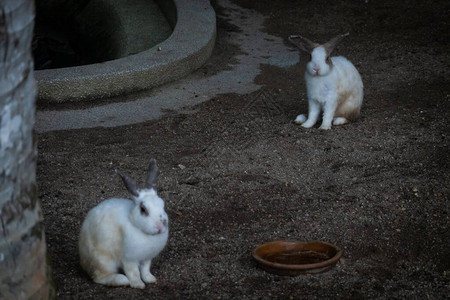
316	69
161	224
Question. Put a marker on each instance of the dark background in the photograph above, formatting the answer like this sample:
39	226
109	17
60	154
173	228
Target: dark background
233	179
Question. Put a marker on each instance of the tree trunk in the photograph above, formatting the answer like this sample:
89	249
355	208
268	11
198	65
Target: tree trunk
22	241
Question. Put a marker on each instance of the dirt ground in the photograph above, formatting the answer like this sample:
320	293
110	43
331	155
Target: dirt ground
237	172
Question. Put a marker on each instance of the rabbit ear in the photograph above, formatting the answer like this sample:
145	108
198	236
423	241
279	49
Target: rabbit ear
152	175
331	44
130	184
302	43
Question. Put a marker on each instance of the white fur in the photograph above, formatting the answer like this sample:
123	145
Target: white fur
336	89
116	237
300	119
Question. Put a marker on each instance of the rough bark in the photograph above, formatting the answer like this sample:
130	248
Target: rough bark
22	241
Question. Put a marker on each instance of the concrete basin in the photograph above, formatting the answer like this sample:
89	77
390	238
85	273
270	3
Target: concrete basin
130	60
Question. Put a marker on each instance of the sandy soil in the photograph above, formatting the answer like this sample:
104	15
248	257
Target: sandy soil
237	172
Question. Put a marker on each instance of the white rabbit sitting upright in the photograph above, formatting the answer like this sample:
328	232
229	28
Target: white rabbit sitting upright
121	235
333	84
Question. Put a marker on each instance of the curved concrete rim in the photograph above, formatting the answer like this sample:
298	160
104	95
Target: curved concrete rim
188	47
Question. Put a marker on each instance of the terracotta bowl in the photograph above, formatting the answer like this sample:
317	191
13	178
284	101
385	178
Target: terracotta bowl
294	258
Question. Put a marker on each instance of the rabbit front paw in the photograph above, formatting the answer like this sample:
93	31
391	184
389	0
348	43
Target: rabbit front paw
308	124
139	284
146	275
325	126
300	119
148	278
132	272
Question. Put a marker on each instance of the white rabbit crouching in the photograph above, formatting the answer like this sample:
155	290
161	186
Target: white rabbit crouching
120	237
333	85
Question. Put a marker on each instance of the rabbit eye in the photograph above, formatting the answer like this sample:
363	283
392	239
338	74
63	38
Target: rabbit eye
144	210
